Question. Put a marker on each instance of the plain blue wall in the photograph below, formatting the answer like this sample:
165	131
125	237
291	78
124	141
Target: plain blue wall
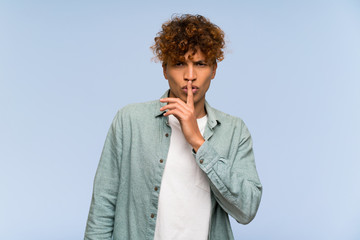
292	72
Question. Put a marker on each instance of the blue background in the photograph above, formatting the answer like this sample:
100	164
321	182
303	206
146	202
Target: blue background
291	71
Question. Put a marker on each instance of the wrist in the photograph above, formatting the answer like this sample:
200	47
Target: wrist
197	144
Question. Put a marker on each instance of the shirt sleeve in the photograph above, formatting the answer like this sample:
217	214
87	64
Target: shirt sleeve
100	221
234	182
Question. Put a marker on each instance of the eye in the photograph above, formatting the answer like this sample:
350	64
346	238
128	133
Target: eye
201	64
179	64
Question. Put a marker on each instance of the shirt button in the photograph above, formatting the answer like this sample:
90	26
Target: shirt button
155	188
166	135
201	161
161	161
152	215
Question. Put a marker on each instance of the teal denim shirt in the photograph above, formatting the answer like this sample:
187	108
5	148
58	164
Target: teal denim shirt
128	179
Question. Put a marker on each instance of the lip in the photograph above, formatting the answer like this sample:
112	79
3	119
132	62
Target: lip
194	89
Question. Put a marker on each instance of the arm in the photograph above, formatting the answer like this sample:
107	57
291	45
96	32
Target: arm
235	181
100	221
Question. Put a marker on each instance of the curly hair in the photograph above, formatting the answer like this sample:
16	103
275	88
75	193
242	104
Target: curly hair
189	32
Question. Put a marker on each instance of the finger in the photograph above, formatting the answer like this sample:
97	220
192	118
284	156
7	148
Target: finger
176	112
190	95
171	106
169	99
172	100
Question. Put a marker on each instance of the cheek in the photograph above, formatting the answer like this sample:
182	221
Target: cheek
171	82
173	85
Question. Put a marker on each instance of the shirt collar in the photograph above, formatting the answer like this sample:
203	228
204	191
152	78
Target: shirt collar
212	118
161	104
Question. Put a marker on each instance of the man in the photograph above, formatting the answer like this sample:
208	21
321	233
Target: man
175	168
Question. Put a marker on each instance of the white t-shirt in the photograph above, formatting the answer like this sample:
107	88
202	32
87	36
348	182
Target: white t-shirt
184	208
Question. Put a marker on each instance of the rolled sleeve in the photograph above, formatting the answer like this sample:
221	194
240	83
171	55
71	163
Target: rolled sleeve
234	181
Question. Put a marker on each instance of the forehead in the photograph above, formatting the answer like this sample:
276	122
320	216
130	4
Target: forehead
194	56
190	55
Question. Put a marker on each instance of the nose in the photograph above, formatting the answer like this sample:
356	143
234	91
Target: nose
190	73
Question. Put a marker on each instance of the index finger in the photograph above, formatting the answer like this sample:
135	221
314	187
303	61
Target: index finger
190	95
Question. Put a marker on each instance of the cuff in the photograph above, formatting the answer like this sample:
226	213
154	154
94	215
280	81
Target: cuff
206	156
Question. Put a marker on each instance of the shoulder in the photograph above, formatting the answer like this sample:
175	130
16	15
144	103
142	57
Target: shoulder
144	106
225	118
227	123
142	110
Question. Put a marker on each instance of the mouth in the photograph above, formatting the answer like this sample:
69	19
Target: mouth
194	89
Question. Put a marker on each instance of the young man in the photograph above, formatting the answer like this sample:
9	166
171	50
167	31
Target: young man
175	168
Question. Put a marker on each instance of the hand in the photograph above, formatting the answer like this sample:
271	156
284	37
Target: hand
185	113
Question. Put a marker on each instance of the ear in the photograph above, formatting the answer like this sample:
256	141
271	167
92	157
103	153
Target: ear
214	67
165	71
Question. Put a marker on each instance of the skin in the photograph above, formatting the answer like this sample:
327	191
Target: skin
188	82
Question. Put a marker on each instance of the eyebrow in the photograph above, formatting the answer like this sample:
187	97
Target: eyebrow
202	61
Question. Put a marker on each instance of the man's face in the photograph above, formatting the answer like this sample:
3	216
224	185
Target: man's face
196	70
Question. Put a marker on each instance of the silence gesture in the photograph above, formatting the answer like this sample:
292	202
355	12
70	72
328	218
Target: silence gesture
185	113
